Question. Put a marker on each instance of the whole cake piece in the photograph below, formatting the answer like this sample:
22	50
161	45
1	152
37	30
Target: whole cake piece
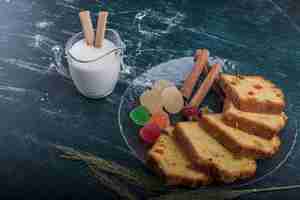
263	125
238	141
253	93
168	159
206	152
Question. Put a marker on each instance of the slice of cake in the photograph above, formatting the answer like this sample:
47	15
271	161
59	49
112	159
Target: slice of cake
167	158
237	140
263	125
206	152
253	93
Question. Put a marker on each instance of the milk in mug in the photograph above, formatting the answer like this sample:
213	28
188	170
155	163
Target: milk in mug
95	71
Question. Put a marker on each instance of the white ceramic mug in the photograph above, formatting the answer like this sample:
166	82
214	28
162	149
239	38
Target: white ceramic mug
93	78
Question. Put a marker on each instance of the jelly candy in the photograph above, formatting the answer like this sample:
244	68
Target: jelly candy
172	100
161	119
160	85
140	115
152	100
191	113
150	133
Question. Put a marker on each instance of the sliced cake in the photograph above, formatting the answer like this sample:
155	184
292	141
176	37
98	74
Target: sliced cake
263	125
237	140
167	158
253	93
206	152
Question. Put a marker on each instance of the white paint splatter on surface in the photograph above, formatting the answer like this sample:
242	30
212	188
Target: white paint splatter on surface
17	94
279	9
12	89
25	65
168	22
50	112
37	40
202	31
6	1
43	24
8	98
60	112
281	74
68	4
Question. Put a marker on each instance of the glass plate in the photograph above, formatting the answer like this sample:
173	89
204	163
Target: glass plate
175	71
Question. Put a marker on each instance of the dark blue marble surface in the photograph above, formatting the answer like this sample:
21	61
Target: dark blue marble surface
39	108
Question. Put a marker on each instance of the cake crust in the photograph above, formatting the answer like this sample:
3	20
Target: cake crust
239	141
263	125
253	94
169	161
210	154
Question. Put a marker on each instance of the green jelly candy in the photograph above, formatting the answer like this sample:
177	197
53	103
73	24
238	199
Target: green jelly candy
140	115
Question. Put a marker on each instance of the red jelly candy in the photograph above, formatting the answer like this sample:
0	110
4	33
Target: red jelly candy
150	133
189	111
161	119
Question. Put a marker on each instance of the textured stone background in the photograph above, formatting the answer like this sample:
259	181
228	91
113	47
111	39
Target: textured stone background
38	107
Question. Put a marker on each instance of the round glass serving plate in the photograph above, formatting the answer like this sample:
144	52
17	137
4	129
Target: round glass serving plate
175	71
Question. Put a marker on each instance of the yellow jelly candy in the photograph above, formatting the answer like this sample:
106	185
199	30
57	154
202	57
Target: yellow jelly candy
172	100
160	85
152	100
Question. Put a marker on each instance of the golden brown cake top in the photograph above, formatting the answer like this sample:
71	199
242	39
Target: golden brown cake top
174	164
254	87
210	151
272	121
241	138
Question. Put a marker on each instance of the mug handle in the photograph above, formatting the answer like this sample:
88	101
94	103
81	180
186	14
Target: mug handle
61	65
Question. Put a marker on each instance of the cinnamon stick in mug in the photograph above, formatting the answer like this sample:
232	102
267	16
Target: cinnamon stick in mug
200	63
87	27
206	85
101	28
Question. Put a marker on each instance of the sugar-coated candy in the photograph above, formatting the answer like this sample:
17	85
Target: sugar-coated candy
172	100
160	85
161	119
140	115
152	100
150	133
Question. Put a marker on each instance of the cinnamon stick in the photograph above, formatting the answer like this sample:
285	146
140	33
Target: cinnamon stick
200	63
216	85
101	28
206	85
87	26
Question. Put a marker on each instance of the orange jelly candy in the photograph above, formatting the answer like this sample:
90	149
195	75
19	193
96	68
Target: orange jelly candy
161	119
